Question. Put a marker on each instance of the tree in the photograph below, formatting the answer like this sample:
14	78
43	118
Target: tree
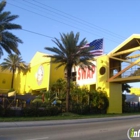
59	86
8	41
126	87
70	53
14	62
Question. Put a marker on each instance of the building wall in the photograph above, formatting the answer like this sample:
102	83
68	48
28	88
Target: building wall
43	74
37	78
5	80
56	73
34	80
113	90
115	98
135	91
40	77
19	82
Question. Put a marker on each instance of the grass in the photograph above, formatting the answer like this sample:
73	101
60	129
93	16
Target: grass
64	116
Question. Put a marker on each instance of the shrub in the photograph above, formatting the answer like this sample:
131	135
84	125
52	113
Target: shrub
86	102
1	111
41	111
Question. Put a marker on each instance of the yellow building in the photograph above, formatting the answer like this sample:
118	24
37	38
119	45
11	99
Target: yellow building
109	73
5	81
135	91
41	75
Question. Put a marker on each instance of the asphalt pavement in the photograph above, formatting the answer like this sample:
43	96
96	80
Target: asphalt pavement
63	122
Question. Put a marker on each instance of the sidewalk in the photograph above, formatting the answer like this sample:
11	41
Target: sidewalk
62	122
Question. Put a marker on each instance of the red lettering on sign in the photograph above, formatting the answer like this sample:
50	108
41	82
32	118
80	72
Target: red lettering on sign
86	73
93	71
83	74
79	74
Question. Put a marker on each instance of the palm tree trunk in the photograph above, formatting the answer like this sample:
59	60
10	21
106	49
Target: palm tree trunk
13	75
68	88
68	94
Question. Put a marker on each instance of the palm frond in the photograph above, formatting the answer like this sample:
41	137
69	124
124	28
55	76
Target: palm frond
5	47
11	37
8	41
3	16
9	26
69	52
2	5
1	52
82	43
14	61
10	17
60	65
58	43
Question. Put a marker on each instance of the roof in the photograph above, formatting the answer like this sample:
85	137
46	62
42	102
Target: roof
129	43
132	98
39	58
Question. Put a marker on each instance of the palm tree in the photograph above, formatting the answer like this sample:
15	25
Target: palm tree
14	62
69	53
8	41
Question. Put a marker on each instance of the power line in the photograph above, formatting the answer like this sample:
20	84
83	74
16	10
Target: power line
37	33
40	34
89	24
56	20
74	19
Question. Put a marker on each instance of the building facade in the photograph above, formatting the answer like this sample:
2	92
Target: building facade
109	73
41	75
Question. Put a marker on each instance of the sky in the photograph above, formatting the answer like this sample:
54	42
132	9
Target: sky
42	20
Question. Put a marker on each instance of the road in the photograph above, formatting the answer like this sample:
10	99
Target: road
113	128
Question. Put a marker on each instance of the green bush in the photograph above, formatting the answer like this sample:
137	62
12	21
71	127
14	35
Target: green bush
29	112
89	102
1	111
100	101
41	111
53	110
9	112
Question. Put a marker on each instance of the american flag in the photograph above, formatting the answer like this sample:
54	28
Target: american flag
98	47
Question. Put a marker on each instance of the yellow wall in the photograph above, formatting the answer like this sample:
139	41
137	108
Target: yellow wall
40	67
37	78
5	80
113	90
56	73
102	79
135	91
115	98
27	83
19	82
32	83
